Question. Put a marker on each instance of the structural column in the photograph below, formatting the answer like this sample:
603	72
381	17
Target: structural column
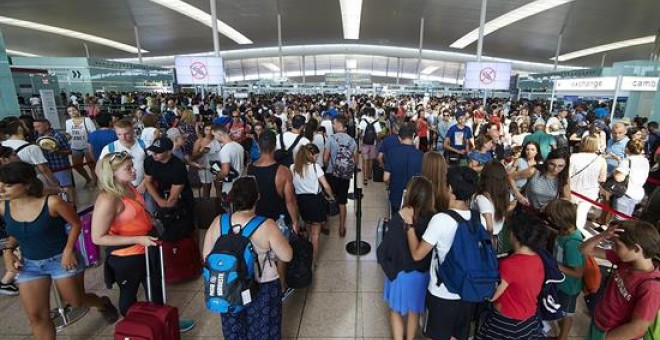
8	99
137	43
482	24
421	44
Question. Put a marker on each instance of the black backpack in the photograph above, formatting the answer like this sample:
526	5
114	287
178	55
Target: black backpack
370	136
299	269
284	155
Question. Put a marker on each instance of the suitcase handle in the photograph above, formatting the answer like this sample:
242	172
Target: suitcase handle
159	244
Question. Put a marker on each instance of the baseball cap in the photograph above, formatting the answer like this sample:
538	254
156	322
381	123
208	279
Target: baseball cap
161	145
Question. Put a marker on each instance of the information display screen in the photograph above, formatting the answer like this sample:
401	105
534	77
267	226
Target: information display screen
199	70
487	76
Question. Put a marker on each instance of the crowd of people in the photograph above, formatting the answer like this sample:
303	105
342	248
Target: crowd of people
509	167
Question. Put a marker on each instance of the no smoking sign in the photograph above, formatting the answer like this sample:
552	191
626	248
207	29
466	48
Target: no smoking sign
198	70
487	75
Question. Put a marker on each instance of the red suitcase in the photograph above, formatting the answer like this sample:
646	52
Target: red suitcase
182	259
147	320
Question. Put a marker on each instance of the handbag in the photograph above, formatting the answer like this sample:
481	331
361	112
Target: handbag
193	178
331	206
173	223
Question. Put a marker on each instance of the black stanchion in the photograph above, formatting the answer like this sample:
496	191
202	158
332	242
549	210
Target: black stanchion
357	247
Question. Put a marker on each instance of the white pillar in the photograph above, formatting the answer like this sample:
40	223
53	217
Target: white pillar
421	44
558	50
279	42
214	27
482	24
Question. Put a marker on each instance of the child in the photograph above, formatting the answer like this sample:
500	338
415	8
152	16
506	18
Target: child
478	158
562	215
632	296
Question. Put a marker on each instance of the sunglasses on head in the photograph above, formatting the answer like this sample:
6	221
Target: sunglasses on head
119	155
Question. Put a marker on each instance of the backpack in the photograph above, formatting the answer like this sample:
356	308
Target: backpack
299	269
470	267
284	155
549	308
111	146
592	277
343	165
229	280
370	136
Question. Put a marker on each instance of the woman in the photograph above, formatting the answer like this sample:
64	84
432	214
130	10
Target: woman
483	153
587	171
121	224
545	182
262	318
307	175
434	168
492	198
202	157
187	126
638	168
92	107
530	158
37	224
79	128
515	301
405	287
519	133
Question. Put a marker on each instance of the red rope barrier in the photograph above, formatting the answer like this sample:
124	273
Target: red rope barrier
601	205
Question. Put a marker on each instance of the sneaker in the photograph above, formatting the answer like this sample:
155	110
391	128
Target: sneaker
109	311
186	325
8	289
287	293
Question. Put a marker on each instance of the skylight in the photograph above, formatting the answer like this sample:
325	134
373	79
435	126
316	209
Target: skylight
20	53
607	47
507	19
351	13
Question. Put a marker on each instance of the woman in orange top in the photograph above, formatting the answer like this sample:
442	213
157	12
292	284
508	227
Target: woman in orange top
121	223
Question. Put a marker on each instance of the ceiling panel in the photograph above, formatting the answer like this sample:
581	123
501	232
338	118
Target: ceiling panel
384	22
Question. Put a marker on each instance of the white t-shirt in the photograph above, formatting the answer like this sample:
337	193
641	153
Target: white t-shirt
310	183
319	141
148	135
31	154
231	153
289	138
639	173
484	205
214	151
80	133
327	124
368	120
440	234
136	152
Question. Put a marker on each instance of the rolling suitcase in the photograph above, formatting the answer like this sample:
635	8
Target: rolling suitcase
381	229
182	259
147	320
378	172
90	252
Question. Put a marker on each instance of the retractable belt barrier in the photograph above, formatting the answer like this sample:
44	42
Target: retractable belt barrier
602	206
71	167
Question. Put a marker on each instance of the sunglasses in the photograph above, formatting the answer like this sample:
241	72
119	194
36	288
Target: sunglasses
119	155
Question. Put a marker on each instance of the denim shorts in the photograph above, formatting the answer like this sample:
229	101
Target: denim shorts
50	267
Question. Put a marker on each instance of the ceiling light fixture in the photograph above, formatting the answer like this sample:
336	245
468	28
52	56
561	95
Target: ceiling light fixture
507	19
204	18
22	54
429	70
351	13
607	47
69	33
271	66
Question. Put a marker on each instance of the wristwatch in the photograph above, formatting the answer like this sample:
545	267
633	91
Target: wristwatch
408	226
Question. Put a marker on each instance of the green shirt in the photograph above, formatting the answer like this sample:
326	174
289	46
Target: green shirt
544	140
567	252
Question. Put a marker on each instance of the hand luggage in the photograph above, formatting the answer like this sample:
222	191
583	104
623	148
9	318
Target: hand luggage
299	269
90	252
377	172
182	259
147	320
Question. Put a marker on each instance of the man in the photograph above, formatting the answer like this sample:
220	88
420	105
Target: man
29	153
171	114
560	120
126	142
545	141
238	128
403	162
293	139
231	159
340	155
58	158
101	137
388	144
602	111
615	150
654	139
443	126
369	130
276	194
166	180
459	140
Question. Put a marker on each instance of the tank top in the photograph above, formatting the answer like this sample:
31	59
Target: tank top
522	165
270	204
40	239
541	190
133	221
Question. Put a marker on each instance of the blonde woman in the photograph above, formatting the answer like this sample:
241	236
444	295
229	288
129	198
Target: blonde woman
188	127
121	224
587	171
308	180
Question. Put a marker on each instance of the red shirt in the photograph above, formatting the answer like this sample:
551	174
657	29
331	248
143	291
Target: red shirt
422	128
627	293
524	274
237	130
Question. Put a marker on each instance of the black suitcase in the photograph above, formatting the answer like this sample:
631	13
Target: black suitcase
377	172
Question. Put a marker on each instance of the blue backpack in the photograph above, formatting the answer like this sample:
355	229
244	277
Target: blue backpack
229	280
549	308
470	267
111	146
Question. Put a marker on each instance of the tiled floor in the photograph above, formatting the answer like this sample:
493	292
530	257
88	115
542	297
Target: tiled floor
344	301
